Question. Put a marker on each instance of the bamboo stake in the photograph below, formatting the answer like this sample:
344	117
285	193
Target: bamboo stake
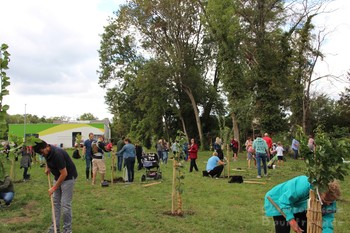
173	188
228	161
52	206
113	161
151	184
253	182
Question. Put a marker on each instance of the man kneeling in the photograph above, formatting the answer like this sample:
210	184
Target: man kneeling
215	165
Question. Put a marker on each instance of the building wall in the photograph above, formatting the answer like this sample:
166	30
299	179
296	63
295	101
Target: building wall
61	134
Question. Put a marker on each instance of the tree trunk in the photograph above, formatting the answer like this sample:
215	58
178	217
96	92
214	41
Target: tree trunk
196	113
235	129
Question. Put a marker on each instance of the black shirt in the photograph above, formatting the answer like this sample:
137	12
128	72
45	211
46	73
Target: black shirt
59	159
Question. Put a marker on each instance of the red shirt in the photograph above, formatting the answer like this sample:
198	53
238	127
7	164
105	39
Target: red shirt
268	141
193	151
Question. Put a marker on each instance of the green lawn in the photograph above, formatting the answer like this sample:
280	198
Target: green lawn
210	205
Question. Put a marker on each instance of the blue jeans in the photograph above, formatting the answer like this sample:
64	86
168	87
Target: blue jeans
7	197
261	157
120	162
129	164
88	161
62	200
165	157
296	153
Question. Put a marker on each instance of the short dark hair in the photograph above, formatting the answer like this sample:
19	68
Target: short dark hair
39	146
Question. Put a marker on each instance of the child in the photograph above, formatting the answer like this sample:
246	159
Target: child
279	151
25	162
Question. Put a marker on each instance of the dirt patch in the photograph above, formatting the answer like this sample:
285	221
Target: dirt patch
181	214
28	210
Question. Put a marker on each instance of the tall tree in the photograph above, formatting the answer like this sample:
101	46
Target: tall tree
4	83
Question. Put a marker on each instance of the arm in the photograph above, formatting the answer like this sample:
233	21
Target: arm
6	183
61	178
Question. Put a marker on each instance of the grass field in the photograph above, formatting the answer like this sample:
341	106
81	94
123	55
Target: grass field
210	205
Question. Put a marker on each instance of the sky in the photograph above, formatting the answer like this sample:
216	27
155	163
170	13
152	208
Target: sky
54	54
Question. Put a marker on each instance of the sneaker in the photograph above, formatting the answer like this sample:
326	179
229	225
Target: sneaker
265	174
259	177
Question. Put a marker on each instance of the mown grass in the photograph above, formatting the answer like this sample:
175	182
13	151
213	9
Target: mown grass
209	205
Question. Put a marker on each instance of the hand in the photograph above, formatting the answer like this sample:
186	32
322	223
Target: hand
47	170
295	227
52	190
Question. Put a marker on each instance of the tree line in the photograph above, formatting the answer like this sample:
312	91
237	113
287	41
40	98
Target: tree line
200	66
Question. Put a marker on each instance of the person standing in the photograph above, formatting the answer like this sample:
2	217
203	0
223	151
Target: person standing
217	148
175	148
295	148
269	143
234	146
250	151
87	152
26	161
279	151
59	164
159	148
193	150
98	161
139	151
128	152
120	145
311	143
261	153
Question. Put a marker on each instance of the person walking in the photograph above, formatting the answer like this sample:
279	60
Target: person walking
61	166
261	153
193	150
87	152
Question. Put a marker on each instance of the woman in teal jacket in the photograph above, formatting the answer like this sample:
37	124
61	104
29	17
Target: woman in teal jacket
291	197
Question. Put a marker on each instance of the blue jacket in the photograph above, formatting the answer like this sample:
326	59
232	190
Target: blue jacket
127	151
292	196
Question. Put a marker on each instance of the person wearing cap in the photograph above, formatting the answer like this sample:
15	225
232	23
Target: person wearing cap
61	166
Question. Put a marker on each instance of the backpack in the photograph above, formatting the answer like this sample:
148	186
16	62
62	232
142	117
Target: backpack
94	147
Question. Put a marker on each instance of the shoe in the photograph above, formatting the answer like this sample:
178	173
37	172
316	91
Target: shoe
265	174
216	178
259	177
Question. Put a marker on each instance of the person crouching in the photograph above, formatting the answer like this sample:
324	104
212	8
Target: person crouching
215	166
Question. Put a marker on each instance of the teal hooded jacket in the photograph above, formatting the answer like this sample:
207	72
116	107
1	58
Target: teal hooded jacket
292	197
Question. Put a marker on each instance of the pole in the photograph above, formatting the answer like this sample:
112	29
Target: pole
25	122
52	206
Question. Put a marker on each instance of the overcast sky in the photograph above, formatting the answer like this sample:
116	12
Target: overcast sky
54	58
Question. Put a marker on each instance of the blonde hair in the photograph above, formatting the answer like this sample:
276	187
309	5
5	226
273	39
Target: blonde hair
334	189
218	140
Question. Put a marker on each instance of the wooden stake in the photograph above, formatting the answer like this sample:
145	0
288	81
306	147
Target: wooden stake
52	206
150	184
253	182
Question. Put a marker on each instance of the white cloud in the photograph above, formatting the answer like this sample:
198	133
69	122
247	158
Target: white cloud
54	58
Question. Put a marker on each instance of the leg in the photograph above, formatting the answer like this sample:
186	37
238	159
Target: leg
66	199
94	171
120	162
7	197
195	165
281	224
216	171
191	165
132	169
57	208
88	165
263	158
258	161
301	220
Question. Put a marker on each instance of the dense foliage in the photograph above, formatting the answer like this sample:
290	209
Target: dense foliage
169	65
